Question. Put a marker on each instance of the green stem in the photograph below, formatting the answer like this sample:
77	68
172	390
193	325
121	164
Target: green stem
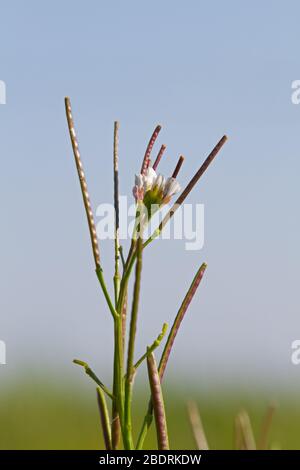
115	428
100	276
122	300
128	265
118	388
117	281
117	405
119	337
118	385
131	344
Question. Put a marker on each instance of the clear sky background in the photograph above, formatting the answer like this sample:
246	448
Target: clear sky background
201	69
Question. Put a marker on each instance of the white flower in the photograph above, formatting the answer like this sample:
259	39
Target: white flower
139	181
150	181
159	183
149	177
138	188
171	187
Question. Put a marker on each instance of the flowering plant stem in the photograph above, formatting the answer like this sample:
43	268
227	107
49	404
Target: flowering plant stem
129	378
118	388
149	188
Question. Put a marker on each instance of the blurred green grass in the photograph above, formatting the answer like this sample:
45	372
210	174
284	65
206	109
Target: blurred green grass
40	415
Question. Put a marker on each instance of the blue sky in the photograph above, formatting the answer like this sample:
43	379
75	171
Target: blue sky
201	69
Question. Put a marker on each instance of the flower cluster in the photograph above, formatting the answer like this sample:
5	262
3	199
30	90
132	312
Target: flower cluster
154	189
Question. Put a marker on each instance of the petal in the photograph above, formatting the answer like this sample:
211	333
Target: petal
150	173
138	193
171	187
159	182
149	178
138	180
